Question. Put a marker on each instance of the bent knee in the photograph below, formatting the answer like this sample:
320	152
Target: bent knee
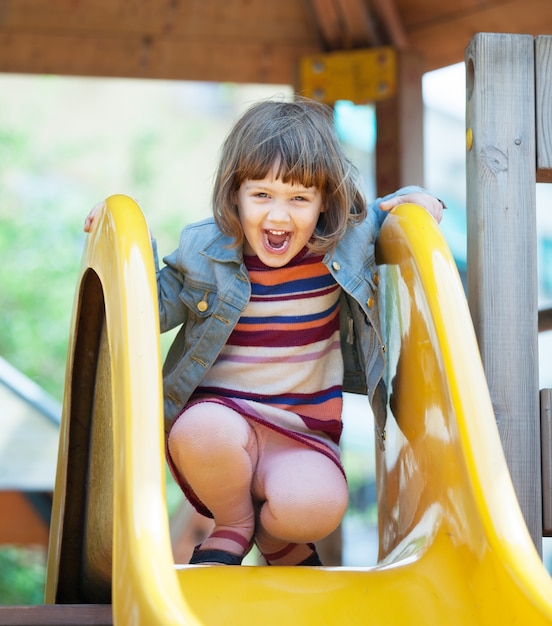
309	517
208	428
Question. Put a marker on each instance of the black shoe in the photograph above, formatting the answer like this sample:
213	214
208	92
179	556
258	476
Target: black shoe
313	560
220	557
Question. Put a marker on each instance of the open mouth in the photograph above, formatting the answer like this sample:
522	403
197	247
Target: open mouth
276	241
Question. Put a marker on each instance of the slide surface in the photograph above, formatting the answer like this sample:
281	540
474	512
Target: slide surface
454	548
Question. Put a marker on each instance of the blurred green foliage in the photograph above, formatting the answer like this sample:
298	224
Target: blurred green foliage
22	573
67	143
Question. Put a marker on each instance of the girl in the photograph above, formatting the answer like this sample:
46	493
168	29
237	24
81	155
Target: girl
277	306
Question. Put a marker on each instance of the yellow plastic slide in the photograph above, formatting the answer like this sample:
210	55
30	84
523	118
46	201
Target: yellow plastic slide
454	548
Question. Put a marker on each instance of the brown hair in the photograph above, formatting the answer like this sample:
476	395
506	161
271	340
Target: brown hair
299	139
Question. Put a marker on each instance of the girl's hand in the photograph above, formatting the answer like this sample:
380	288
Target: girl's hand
432	205
91	216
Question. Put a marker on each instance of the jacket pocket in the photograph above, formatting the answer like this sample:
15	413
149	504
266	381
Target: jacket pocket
199	298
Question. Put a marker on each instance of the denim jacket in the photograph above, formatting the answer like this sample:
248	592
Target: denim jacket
204	288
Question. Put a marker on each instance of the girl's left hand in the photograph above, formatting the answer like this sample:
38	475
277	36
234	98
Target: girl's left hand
432	205
91	216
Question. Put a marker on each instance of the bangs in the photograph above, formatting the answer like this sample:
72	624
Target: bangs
293	156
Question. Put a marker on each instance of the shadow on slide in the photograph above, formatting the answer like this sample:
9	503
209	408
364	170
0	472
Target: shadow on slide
454	548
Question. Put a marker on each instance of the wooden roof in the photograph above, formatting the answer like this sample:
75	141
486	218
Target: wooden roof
258	41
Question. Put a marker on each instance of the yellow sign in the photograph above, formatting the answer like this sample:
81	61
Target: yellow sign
360	76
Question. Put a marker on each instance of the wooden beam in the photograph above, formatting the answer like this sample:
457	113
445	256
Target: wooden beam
360	29
186	40
242	61
57	615
344	24
440	36
208	19
545	320
399	144
328	20
387	11
543	87
239	31
502	264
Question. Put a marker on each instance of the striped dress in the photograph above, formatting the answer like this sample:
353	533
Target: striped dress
282	366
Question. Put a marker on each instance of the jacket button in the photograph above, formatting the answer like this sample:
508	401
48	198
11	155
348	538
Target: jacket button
336	266
370	303
376	279
202	306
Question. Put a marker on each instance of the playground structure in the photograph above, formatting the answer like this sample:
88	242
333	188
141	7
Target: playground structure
509	149
454	545
453	548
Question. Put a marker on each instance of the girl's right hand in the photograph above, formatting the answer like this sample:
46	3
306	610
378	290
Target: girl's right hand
91	216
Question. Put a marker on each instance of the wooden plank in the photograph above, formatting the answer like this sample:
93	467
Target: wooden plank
545	320
358	24
543	87
502	268
399	144
240	61
441	38
387	11
187	40
416	13
326	16
85	16
285	22
57	615
436	31
546	438
231	19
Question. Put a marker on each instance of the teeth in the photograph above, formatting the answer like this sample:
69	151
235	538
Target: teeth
277	240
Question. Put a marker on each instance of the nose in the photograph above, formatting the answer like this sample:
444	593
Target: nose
279	213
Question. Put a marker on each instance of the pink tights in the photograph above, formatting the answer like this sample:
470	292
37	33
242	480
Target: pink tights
258	484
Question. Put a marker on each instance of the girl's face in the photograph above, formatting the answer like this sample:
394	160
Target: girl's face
277	218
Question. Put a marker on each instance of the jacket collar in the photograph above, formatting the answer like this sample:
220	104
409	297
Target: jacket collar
220	248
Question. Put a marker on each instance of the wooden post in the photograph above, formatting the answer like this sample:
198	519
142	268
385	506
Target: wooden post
400	130
543	89
546	436
502	267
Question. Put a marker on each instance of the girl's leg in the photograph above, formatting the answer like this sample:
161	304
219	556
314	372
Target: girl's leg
214	450
304	496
